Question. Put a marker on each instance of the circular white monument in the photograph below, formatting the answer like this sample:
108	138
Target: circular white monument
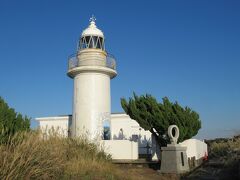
174	157
173	133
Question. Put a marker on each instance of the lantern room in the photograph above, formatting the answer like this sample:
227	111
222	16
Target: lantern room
92	37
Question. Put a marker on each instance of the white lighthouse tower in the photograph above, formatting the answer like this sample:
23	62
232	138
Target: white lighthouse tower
91	68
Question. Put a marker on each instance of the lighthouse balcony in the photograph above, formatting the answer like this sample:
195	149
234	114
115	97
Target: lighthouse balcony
74	62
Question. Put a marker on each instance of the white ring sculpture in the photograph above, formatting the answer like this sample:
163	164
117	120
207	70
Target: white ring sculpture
173	138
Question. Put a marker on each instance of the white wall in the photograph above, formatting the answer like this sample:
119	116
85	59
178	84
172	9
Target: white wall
195	148
91	103
121	149
123	127
59	125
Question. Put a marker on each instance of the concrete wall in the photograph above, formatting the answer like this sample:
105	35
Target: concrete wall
124	131
123	127
91	103
195	148
59	125
121	149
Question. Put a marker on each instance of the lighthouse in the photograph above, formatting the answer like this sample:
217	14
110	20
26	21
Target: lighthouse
91	69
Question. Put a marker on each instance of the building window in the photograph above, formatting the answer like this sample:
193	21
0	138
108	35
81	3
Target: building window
106	130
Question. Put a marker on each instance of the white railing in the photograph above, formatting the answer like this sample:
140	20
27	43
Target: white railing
73	62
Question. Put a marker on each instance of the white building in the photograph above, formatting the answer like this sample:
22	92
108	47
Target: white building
124	132
92	68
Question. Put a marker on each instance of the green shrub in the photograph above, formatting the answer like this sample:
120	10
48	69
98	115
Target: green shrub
11	122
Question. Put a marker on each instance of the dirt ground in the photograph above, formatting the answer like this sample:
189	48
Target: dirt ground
223	164
214	169
142	172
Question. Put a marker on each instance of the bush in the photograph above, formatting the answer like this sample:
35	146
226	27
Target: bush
156	117
28	156
219	149
11	122
225	147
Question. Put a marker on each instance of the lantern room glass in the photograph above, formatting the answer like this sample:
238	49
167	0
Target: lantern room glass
95	42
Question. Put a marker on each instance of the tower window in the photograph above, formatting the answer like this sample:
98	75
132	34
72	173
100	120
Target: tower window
91	42
95	38
101	43
98	44
83	43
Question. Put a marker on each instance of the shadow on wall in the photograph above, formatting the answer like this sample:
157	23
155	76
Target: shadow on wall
156	153
144	143
142	140
120	135
147	147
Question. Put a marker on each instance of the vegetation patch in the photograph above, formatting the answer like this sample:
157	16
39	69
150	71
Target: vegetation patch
28	156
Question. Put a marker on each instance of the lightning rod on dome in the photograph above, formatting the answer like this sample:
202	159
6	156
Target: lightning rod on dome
92	19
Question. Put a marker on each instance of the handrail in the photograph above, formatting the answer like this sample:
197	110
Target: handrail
73	62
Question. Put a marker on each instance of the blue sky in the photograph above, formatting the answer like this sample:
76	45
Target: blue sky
186	50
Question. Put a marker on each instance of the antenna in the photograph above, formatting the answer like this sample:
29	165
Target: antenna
92	19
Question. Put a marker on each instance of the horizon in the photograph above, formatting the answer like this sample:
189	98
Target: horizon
187	51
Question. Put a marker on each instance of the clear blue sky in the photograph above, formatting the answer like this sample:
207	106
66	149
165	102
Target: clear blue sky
188	51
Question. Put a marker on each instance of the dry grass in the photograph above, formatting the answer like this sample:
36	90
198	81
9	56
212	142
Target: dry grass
226	151
224	160
225	147
27	156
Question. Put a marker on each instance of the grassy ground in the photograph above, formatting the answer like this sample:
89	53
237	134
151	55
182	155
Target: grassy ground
26	156
29	156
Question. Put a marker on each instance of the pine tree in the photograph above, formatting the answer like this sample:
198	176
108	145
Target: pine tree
11	122
157	117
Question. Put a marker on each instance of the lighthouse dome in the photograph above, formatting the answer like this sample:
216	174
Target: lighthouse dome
92	30
92	37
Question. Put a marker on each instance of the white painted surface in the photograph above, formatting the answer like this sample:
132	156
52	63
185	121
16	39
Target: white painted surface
59	125
195	148
91	103
92	30
120	146
123	127
121	149
92	60
91	99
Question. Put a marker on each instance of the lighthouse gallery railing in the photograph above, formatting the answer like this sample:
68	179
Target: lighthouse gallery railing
73	62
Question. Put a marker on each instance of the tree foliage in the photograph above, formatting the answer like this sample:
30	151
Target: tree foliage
157	117
11	121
